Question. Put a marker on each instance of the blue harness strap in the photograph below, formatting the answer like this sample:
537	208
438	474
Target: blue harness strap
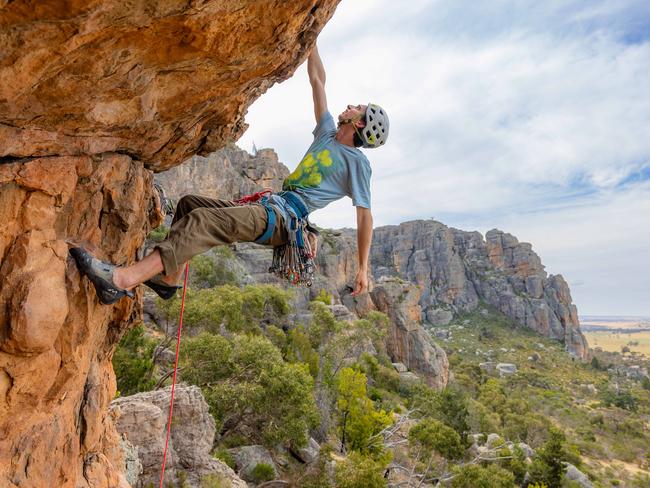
270	225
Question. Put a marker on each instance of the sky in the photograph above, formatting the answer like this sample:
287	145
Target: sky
530	117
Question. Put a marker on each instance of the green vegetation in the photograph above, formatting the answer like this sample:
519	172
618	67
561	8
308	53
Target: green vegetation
237	309
158	234
270	381
361	471
247	384
213	269
133	362
262	472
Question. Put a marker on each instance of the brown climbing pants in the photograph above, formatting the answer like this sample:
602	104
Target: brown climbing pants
200	223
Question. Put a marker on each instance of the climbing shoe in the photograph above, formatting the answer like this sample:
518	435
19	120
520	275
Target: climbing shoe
163	290
101	275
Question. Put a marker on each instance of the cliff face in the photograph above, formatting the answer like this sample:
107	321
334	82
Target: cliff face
159	81
457	270
92	94
227	173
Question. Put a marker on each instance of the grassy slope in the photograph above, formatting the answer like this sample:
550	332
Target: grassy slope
613	442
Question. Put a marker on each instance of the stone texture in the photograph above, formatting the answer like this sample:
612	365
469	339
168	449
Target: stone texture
407	341
56	340
158	81
309	453
457	270
228	173
574	474
91	95
142	418
247	457
506	369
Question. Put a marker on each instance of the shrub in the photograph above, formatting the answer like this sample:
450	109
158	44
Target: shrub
358	420
361	471
475	476
262	472
158	234
323	297
548	465
133	362
431	435
224	455
246	383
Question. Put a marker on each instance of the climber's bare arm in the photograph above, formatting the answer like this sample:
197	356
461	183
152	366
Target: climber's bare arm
317	80
364	238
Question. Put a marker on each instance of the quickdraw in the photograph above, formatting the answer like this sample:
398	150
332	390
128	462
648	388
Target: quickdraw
294	261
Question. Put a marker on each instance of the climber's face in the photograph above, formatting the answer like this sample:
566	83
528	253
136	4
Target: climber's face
353	112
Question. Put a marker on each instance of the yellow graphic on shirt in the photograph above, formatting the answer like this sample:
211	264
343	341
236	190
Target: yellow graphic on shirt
309	172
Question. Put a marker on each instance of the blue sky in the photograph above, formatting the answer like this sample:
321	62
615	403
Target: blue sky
531	117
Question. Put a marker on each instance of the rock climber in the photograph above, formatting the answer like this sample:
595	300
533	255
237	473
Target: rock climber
332	168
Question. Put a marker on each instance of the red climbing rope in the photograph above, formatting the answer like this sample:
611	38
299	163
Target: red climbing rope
254	197
171	403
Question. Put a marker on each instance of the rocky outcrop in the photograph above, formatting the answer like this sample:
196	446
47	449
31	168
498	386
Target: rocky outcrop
407	341
458	270
142	418
228	174
92	94
158	81
56	340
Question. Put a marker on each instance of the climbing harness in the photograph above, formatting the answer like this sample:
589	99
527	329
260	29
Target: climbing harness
294	260
171	402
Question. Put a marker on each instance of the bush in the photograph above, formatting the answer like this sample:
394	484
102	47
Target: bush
359	471
158	234
358	420
449	406
262	472
323	297
133	362
238	309
548	465
207	271
621	399
431	436
475	476
246	383
224	455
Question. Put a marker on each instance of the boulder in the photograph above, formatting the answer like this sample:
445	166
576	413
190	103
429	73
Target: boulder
400	367
574	474
506	369
489	366
309	453
247	457
142	419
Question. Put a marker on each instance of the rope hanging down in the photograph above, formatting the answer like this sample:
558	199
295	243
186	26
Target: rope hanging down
171	403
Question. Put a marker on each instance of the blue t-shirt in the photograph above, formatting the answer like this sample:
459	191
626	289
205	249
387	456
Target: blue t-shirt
330	170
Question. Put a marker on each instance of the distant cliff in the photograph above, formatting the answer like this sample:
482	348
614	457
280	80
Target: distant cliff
457	270
228	173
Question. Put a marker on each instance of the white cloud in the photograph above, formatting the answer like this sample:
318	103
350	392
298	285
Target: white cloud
527	110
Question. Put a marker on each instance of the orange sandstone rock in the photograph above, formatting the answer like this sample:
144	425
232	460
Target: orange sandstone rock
93	96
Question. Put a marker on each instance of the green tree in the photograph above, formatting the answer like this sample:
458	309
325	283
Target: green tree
358	420
548	465
238	309
133	362
476	476
431	435
448	405
246	383
361	471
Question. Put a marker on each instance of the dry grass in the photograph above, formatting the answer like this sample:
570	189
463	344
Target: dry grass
613	341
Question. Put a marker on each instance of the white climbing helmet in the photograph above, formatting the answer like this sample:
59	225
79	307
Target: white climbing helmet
375	133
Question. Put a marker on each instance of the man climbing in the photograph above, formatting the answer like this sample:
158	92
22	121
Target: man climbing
332	168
